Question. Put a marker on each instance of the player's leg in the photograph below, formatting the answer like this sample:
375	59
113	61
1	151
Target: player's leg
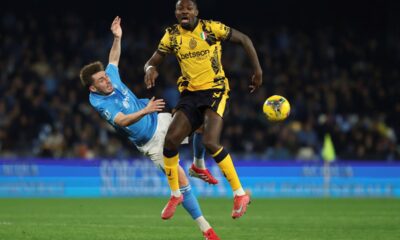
198	168
183	182
192	206
199	151
189	203
179	128
211	138
154	150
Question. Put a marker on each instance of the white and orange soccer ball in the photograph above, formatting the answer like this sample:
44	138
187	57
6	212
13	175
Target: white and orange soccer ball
276	108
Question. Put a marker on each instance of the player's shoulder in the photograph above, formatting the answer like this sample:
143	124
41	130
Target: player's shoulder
173	29
210	22
99	101
94	100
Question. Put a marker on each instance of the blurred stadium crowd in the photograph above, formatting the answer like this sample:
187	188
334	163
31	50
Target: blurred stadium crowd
339	81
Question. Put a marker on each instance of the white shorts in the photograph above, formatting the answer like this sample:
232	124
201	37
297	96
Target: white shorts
154	147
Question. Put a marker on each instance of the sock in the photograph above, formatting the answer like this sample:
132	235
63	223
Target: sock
225	163
190	202
199	151
171	159
239	192
202	223
175	193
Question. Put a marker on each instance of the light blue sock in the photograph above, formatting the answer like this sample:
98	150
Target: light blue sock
199	150
190	202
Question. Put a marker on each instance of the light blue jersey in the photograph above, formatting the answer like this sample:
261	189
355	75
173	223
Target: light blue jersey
123	100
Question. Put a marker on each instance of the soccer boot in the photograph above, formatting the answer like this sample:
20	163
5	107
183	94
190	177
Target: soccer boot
170	208
210	235
203	174
240	204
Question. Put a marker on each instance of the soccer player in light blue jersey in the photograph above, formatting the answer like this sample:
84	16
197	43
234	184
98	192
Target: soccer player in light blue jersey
140	120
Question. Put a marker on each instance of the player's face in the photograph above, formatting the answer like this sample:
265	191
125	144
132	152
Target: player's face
102	83
186	12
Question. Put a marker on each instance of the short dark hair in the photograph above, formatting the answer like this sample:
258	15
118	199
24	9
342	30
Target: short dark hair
88	70
193	1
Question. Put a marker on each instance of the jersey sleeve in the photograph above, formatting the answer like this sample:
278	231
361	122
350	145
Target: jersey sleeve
221	31
108	111
164	46
113	73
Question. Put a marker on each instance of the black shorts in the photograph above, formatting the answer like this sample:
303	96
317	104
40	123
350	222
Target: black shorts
193	104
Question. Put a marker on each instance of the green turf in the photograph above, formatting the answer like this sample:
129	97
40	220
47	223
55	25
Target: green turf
130	218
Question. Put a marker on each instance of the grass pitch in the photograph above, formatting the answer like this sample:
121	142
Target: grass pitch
139	218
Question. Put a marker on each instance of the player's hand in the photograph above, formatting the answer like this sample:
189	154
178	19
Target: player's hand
150	77
256	81
116	27
155	105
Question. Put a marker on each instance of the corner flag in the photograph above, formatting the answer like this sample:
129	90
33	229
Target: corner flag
328	151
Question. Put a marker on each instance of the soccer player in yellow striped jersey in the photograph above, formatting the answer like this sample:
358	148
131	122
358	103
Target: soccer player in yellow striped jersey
204	88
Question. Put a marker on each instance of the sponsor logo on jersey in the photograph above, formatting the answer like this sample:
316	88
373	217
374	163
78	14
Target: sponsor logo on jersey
194	54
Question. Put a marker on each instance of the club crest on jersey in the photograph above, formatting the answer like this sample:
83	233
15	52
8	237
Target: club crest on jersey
125	103
192	43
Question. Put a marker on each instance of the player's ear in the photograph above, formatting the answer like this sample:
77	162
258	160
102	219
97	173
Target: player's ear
92	88
196	12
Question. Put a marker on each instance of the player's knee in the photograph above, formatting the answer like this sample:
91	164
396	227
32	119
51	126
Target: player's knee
171	142
211	146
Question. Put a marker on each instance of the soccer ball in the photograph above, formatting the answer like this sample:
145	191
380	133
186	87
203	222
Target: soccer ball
276	108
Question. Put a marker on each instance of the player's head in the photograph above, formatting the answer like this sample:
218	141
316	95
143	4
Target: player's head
186	13
95	78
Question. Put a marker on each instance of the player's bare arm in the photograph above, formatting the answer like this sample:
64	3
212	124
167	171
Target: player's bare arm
124	120
150	69
245	41
115	51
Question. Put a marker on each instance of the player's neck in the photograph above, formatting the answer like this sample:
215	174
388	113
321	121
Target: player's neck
192	27
102	93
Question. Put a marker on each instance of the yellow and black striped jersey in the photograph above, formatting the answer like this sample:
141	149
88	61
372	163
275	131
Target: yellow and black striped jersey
198	53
